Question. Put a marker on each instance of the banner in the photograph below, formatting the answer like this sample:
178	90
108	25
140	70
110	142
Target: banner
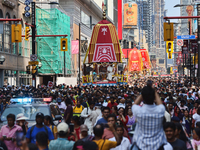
75	46
145	59
130	14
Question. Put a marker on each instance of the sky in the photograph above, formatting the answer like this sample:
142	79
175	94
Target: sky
171	11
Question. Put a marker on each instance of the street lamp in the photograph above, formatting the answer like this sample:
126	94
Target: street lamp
2	59
39	65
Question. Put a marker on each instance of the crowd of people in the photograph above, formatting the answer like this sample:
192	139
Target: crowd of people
149	114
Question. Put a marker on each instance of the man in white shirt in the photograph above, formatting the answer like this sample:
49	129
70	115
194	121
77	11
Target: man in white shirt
149	133
125	143
61	104
88	114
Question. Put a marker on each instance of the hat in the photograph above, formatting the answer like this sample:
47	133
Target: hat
119	97
62	127
21	117
83	127
40	115
125	95
59	100
174	118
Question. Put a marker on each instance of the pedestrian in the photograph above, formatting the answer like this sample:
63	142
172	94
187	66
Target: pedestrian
76	121
8	133
49	123
196	116
69	111
149	132
62	143
112	103
61	104
131	120
42	141
170	128
3	105
84	133
105	113
21	121
112	119
125	143
78	109
105	144
32	131
88	115
196	139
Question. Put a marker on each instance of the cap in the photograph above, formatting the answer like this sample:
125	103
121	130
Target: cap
21	117
59	100
83	127
40	115
119	97
174	118
125	95
62	127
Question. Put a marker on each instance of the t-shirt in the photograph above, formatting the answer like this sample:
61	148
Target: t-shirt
179	144
32	135
102	121
69	110
54	130
105	144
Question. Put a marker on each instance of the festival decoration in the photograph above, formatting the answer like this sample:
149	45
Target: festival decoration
135	60
104	45
145	59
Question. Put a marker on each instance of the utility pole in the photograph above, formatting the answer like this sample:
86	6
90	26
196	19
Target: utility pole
198	41
33	39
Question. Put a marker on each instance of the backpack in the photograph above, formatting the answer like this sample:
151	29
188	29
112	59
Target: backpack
46	130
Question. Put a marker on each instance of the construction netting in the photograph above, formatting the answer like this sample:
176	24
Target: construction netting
52	22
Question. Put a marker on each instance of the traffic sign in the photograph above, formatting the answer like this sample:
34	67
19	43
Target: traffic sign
27	8
27	2
196	1
27	14
33	63
50	84
186	37
180	42
33	57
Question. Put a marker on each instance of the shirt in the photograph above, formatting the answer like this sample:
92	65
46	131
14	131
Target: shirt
105	144
5	130
102	121
61	144
62	105
125	144
32	135
69	111
179	144
149	133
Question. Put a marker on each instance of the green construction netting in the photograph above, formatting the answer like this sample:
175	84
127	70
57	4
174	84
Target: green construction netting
52	22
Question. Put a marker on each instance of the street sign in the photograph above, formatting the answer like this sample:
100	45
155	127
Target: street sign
27	8
196	1
27	14
33	57
50	84
186	37
180	42
27	2
185	47
33	63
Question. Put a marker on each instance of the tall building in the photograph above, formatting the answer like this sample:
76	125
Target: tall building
155	35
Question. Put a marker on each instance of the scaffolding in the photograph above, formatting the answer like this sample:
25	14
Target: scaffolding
52	22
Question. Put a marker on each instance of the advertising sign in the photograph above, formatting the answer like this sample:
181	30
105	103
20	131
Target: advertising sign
185	47
75	46
130	14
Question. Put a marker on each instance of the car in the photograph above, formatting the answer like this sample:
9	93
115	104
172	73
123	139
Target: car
30	107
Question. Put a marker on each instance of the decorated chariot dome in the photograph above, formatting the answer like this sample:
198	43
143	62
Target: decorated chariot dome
104	45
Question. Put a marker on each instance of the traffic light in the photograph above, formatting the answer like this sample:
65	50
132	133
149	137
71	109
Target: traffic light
27	32
168	31
34	70
63	44
16	32
169	46
28	71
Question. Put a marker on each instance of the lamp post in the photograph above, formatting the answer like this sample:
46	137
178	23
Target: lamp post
2	59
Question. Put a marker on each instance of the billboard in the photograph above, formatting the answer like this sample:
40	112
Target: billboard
75	46
130	14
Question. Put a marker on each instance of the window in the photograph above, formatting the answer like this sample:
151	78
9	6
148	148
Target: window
87	20
7	34
161	61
